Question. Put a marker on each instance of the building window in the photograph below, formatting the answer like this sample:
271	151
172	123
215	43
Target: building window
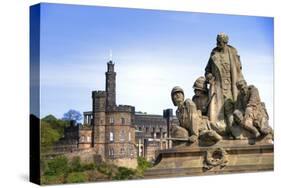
88	139
82	139
111	137
111	120
129	136
122	136
111	152
122	151
146	129
123	121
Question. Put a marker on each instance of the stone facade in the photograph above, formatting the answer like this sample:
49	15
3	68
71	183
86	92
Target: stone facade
117	133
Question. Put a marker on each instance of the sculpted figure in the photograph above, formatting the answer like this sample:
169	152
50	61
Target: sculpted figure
192	125
186	114
201	98
222	72
250	112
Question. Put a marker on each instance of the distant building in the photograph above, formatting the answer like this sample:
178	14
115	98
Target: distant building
117	133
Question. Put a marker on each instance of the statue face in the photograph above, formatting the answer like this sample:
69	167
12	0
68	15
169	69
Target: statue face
243	88
178	98
220	44
198	92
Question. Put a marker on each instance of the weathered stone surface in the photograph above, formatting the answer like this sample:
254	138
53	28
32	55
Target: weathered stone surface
189	161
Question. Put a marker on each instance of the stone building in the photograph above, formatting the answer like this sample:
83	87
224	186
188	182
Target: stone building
112	125
116	132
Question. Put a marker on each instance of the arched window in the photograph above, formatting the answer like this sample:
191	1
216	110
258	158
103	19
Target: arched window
82	139
129	136
111	136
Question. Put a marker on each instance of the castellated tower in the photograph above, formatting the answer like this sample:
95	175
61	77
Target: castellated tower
110	86
113	126
99	116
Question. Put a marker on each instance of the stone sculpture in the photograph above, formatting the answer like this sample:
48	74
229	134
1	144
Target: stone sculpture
224	128
223	105
250	113
192	125
222	72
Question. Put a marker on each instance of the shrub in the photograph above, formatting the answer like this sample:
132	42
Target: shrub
124	174
52	179
143	164
75	165
57	166
76	177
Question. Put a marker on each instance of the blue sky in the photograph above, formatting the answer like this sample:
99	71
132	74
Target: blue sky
153	51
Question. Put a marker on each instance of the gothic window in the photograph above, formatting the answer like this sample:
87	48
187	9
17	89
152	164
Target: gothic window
122	136
111	136
123	121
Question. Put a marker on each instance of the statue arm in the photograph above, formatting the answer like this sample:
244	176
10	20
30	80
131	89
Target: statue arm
208	70
254	98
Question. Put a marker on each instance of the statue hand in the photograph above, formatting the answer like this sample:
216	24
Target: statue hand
193	138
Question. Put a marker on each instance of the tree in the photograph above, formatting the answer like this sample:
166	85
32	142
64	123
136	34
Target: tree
48	136
72	115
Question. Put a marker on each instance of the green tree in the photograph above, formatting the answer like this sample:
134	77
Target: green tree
57	166
143	164
48	136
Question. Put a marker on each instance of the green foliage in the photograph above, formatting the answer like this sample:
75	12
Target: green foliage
46	179
56	124
91	166
60	170
76	177
124	174
52	130
143	164
57	166
75	165
105	169
48	136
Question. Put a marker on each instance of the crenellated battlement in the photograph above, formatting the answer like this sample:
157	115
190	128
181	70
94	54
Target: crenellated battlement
125	108
98	93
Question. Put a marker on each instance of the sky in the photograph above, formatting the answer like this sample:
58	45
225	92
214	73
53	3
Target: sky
153	51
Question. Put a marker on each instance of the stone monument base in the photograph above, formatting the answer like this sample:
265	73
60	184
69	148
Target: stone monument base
228	156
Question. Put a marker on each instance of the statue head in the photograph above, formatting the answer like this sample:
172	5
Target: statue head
177	95
200	86
242	86
222	40
238	116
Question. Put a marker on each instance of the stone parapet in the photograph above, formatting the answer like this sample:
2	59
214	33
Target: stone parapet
218	159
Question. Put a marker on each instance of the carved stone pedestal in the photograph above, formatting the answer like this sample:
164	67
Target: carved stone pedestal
229	156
